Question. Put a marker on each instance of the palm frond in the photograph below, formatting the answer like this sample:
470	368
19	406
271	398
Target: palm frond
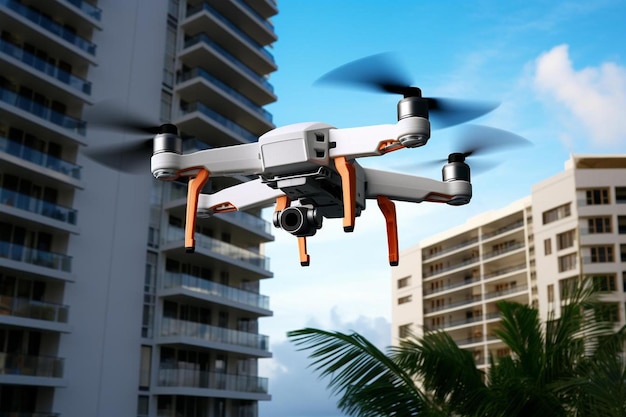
367	381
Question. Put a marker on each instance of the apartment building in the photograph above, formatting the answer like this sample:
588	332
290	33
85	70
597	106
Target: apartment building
572	224
102	312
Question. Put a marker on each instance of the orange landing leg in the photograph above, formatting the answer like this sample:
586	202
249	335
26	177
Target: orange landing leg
193	194
389	211
305	259
348	185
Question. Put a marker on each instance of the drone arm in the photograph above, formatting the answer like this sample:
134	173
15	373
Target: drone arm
238	197
403	187
242	159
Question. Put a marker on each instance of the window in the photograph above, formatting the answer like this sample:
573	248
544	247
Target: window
404	282
622	251
551	293
567	262
547	246
597	196
567	287
601	254
604	283
404	331
557	213
599	225
404	300
621	225
620	195
565	240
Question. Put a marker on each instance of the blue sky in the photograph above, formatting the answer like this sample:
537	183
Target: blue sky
557	67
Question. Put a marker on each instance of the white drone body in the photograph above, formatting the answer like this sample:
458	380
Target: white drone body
309	170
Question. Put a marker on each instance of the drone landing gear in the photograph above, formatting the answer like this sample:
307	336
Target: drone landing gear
193	194
348	185
389	211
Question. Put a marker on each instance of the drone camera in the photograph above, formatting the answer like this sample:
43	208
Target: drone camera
299	221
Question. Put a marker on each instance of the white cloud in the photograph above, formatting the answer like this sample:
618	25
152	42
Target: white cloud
594	96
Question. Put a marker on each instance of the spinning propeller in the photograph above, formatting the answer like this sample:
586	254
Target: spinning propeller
132	156
384	74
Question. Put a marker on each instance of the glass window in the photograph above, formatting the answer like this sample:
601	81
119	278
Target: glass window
597	196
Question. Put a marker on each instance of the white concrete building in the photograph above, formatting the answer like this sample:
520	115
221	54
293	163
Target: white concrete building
102	313
572	224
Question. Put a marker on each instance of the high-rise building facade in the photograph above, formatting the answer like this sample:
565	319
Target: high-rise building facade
571	225
102	312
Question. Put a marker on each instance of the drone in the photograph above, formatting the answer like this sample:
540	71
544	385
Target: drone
310	171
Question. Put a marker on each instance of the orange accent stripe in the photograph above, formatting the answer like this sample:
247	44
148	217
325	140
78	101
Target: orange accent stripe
305	259
389	211
348	186
282	203
390	145
224	207
193	193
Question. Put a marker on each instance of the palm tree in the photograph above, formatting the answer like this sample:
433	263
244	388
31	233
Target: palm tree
570	366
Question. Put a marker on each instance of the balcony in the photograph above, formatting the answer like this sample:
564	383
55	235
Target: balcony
504	271
451	286
37	206
180	377
27	365
204	39
511	290
450	249
31	309
201	286
227	90
36	257
503	229
506	249
39	158
470	299
232	133
41	111
87	8
428	274
39	64
207	333
50	25
175	234
268	25
204	7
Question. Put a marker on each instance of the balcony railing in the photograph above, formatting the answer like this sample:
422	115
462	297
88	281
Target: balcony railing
204	38
203	286
469	300
39	64
509	248
451	286
507	291
42	111
222	248
37	206
42	159
504	271
87	8
202	73
41	366
38	310
208	333
180	377
450	249
264	21
504	229
220	119
35	257
232	26
50	25
428	274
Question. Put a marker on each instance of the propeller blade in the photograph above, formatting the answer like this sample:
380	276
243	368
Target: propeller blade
478	140
383	73
129	157
111	115
380	73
